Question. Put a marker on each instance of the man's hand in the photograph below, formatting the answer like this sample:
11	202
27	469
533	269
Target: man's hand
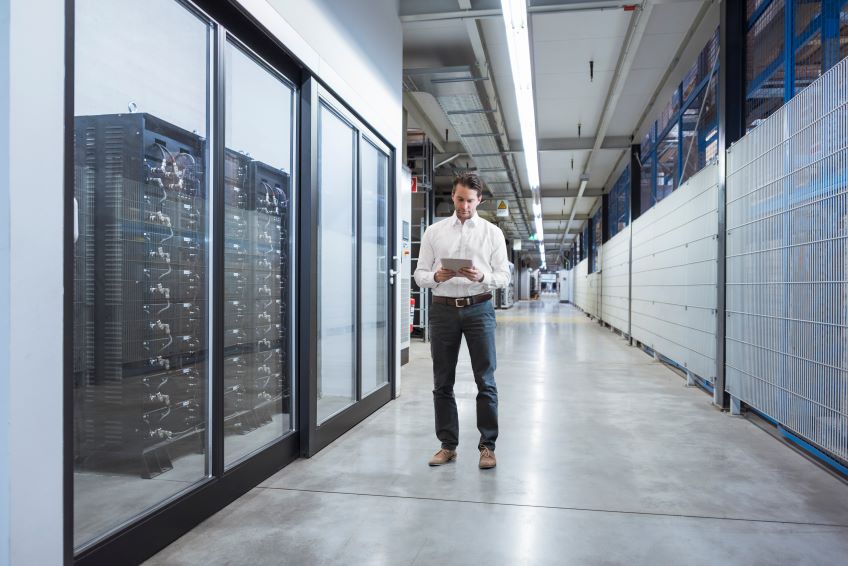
443	275
471	274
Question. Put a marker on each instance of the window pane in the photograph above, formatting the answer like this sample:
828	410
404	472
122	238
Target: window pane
140	263
700	131
619	203
808	62
374	276
646	181
764	82
337	264
843	32
752	6
667	164
257	252
597	239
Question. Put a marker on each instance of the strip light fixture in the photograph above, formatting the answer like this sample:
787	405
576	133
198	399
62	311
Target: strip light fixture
518	42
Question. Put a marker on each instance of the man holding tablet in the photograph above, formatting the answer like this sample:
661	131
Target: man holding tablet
463	258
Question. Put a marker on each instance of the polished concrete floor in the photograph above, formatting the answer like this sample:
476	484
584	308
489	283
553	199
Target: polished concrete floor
604	457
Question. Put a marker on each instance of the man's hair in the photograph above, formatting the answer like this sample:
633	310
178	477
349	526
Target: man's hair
469	180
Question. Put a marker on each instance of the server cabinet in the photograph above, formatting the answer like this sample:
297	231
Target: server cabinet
140	334
256	369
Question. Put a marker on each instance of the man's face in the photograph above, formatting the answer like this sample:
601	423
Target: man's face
465	202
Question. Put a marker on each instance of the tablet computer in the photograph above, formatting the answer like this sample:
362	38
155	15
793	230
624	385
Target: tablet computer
455	264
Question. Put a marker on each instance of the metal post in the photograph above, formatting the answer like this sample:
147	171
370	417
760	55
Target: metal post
635	206
731	107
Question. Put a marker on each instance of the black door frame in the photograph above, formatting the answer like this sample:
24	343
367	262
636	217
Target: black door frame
316	436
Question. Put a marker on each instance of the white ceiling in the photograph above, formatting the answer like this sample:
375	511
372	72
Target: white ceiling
563	43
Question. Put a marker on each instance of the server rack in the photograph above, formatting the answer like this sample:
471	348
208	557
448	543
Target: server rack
140	344
256	264
140	333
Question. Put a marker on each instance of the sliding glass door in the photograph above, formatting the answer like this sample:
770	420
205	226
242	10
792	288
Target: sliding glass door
352	261
181	390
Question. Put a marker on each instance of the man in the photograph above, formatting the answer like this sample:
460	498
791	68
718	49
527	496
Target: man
462	305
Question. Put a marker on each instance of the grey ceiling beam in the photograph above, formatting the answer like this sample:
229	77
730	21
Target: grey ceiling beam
466	14
571	193
562	217
420	116
575	144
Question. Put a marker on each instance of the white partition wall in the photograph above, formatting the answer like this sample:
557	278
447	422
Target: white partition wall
787	264
593	294
581	284
674	275
615	281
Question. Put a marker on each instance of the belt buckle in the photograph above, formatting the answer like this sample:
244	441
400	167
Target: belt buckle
461	302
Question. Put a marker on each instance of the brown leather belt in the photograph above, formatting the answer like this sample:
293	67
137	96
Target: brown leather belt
460	302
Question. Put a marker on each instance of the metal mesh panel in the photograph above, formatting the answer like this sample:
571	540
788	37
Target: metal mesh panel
787	264
674	275
615	281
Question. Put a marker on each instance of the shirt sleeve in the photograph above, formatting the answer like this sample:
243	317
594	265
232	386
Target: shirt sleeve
499	277
424	274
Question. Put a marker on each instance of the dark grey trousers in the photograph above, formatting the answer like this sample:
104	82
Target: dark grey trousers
447	326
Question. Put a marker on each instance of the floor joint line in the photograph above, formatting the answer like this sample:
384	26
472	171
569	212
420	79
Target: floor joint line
560	508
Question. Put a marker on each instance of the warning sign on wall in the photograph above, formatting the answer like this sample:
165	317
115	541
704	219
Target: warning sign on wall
503	209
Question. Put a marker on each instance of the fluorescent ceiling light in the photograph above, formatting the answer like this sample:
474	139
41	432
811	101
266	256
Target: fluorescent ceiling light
518	41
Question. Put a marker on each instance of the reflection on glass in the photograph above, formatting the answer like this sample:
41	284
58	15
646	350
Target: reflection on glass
140	261
257	188
337	264
374	171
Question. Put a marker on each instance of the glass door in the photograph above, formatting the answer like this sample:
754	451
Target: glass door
350	250
141	372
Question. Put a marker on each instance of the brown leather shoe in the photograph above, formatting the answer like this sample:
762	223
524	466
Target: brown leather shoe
442	457
487	459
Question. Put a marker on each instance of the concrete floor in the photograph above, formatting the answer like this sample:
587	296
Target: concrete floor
604	457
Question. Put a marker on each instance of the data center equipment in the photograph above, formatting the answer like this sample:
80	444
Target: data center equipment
505	298
256	265
141	335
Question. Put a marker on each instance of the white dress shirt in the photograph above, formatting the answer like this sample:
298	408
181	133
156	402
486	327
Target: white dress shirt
476	239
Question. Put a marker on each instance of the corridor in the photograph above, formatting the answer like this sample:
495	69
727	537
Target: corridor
604	457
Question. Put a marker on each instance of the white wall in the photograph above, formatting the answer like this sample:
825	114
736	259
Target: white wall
4	283
615	281
674	274
31	197
356	48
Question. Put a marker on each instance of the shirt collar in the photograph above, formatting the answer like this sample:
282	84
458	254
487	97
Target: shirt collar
471	221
